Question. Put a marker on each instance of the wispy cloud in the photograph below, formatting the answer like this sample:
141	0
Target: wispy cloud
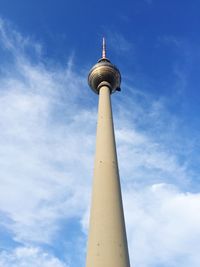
39	152
119	43
44	157
29	256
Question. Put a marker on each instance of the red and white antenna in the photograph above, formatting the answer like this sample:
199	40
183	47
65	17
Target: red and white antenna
104	48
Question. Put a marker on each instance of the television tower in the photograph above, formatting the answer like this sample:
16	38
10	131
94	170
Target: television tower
107	242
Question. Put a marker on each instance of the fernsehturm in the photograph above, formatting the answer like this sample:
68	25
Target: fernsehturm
107	242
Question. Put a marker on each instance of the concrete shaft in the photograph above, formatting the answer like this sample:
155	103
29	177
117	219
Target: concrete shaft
107	243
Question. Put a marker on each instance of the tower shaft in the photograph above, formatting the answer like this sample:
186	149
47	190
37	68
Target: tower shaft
107	243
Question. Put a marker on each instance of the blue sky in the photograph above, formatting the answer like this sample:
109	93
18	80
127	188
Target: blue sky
48	125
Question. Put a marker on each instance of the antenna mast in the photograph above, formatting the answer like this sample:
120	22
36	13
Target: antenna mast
104	48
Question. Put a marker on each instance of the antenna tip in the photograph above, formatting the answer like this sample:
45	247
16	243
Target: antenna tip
104	48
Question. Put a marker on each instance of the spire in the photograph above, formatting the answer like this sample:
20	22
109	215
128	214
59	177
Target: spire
104	48
104	71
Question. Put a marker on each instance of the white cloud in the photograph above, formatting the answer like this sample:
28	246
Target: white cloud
163	223
147	161
29	256
39	157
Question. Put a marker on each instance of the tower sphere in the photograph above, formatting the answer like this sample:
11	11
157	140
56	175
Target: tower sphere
104	71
